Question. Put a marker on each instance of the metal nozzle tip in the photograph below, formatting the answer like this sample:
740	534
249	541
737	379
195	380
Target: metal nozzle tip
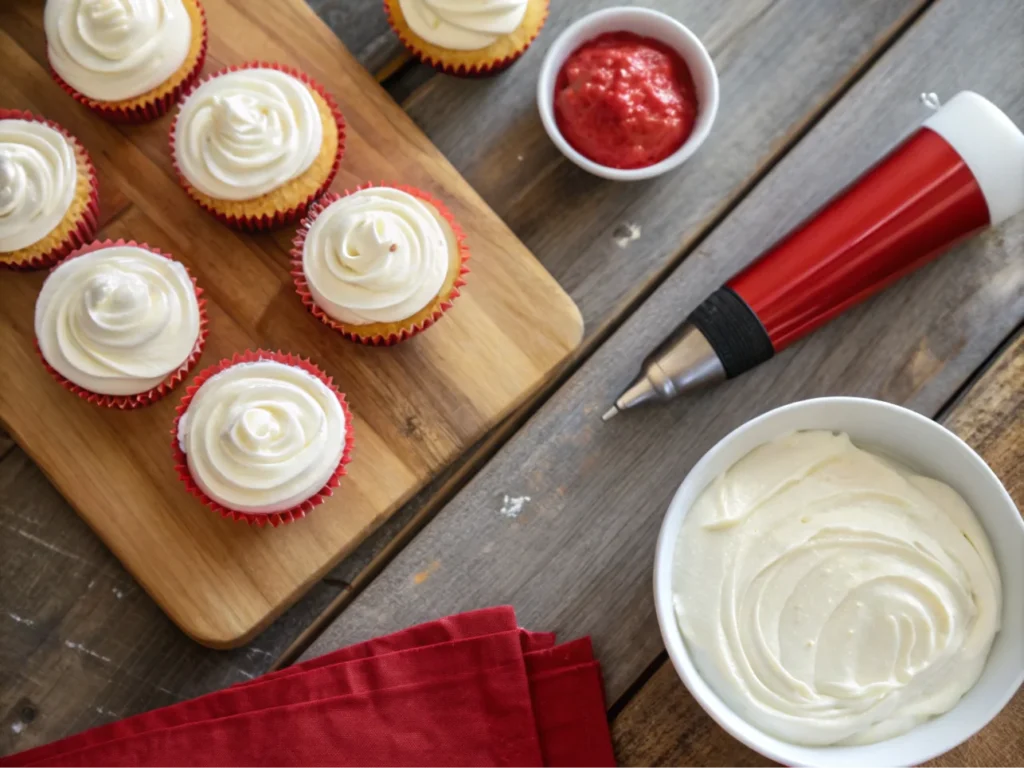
610	413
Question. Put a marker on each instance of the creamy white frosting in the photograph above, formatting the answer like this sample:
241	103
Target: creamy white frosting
246	133
463	25
118	320
111	50
378	255
832	596
38	175
262	437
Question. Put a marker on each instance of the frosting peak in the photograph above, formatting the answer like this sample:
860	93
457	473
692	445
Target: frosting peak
262	437
118	320
243	134
378	255
463	25
38	175
116	49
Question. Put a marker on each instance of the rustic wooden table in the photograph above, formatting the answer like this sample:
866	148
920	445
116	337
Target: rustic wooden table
81	645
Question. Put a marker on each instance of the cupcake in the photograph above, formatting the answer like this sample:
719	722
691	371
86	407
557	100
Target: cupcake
119	324
467	37
263	437
255	145
128	61
49	196
379	264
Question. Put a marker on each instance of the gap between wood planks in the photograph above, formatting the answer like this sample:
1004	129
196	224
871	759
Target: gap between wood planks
466	467
943	412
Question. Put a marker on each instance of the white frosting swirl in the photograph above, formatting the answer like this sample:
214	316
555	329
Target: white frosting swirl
38	175
378	255
262	437
831	596
111	50
243	134
463	25
118	320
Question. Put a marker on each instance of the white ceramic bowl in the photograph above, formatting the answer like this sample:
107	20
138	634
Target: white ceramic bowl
933	451
648	23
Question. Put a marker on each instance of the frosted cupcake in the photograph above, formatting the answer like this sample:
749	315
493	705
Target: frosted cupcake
49	196
255	145
467	37
263	437
119	324
379	264
128	61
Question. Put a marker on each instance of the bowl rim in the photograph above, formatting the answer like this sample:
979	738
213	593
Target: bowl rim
697	58
712	704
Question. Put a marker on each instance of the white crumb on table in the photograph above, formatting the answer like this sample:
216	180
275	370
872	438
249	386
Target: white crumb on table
625	234
512	506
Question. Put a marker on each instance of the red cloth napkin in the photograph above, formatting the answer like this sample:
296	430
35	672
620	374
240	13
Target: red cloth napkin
471	689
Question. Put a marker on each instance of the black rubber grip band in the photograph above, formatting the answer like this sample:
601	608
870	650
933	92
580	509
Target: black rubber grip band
733	330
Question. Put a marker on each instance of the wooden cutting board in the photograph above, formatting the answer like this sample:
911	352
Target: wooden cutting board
416	406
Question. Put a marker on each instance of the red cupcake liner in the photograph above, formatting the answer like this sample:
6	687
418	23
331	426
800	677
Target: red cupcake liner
131	402
475	71
349	332
265	222
273	519
85	229
151	110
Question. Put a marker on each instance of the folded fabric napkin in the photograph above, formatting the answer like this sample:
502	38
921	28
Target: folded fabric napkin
471	689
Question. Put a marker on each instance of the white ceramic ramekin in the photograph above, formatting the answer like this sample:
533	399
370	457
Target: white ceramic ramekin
933	451
648	23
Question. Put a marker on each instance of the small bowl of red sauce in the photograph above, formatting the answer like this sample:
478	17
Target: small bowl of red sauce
627	93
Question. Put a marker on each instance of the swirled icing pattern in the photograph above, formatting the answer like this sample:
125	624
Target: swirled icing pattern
111	50
378	255
243	134
831	596
118	320
262	437
463	25
38	174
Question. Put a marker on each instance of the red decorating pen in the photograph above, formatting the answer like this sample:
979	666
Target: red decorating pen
961	171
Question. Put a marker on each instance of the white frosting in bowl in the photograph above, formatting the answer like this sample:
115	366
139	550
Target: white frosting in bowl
831	596
378	255
242	134
118	320
38	175
111	50
463	25
262	437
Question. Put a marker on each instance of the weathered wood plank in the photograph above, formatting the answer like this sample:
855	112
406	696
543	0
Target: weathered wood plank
663	725
578	557
55	682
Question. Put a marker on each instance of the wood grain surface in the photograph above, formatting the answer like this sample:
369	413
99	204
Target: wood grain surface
663	725
416	406
90	646
578	558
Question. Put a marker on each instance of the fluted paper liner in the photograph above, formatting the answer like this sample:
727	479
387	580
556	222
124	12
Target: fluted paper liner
441	304
131	402
273	518
85	228
484	68
145	111
266	221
